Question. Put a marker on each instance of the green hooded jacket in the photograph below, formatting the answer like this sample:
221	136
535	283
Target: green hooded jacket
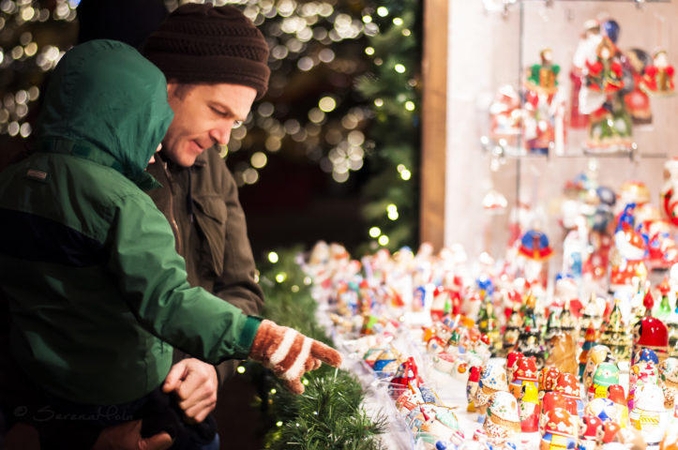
98	295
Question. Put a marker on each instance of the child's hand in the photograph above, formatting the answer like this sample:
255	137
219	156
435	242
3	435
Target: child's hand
290	354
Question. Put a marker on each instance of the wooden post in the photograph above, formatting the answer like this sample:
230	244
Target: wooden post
434	118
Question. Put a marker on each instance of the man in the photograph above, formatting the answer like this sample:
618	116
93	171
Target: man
215	62
210	89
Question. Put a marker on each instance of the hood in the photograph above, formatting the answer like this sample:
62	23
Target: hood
107	103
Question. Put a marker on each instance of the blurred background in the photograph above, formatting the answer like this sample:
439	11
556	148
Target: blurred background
331	152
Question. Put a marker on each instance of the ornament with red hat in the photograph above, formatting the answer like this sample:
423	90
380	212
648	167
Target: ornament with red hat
650	332
588	432
525	372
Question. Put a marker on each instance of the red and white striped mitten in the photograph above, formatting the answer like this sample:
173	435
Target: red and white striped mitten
290	354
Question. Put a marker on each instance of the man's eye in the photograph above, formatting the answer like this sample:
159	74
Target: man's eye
237	123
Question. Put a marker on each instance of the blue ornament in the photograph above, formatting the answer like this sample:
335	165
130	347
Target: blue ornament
611	30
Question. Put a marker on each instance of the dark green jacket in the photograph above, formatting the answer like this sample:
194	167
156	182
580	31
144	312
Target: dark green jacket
202	206
98	294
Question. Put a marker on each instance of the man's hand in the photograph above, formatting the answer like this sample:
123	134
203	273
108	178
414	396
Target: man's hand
127	436
195	384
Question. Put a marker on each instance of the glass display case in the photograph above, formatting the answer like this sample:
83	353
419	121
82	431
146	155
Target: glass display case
543	95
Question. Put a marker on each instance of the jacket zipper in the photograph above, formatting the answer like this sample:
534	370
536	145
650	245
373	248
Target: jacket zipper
172	218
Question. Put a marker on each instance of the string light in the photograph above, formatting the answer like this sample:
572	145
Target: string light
281	277
304	37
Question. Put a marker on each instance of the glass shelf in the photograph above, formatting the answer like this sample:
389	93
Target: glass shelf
500	149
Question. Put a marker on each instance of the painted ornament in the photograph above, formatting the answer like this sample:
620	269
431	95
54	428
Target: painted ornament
503	418
649	415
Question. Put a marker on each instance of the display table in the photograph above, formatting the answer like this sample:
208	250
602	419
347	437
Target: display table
418	379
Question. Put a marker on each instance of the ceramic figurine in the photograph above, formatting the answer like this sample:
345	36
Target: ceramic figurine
617	395
440	423
543	77
548	378
584	52
524	373
552	325
472	387
536	249
602	408
662	250
492	379
552	400
488	324
530	409
448	362
643	371
637	101
649	415
560	430
629	264
506	117
616	335
407	374
589	342
512	330
606	374
568	385
650	332
598	354
658	79
543	120
408	400
668	380
605	73
386	364
588	432
503	418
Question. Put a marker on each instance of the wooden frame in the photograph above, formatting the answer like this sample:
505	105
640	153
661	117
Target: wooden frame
434	118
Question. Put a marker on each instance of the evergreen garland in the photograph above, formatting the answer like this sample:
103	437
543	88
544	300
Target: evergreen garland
329	414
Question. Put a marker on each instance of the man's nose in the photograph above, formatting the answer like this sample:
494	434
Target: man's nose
221	135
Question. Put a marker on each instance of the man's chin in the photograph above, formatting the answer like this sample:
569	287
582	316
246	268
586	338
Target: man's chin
187	159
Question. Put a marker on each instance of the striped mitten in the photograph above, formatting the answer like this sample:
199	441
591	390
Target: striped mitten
290	354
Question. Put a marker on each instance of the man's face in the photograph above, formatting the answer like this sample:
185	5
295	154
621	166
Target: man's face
204	115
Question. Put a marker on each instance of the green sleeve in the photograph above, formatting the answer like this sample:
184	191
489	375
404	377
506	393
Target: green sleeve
152	280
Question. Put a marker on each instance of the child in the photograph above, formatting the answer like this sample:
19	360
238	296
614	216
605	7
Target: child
97	294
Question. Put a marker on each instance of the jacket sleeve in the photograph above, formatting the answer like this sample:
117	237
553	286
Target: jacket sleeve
152	279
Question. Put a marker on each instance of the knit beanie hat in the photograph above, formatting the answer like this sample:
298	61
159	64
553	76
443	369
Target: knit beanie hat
201	43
